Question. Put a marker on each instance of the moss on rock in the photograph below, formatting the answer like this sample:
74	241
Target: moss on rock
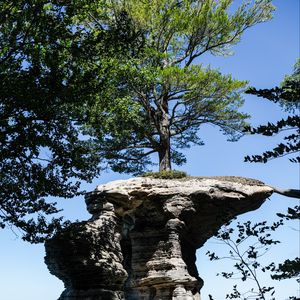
172	174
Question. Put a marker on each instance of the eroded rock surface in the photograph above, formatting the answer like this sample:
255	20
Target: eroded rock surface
142	238
87	257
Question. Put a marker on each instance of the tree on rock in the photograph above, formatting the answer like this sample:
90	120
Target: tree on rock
82	82
164	96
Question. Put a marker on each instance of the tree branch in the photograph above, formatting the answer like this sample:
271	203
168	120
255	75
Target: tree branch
292	193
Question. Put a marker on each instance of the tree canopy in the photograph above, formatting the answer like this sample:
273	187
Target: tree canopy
89	83
51	53
166	94
288	97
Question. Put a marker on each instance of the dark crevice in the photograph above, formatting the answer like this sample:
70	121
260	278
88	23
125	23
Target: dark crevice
188	252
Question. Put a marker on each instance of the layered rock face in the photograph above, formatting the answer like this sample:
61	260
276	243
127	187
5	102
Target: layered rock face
142	238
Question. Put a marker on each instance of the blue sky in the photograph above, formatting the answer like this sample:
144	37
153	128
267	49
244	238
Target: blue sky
265	54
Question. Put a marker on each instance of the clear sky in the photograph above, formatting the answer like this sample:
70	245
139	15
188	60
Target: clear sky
265	54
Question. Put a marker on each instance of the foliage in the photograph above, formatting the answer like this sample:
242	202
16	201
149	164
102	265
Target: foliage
289	268
247	244
163	96
292	213
245	249
90	82
287	95
166	174
52	57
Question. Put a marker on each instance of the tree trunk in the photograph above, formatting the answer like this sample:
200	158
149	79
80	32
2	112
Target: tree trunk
164	143
165	155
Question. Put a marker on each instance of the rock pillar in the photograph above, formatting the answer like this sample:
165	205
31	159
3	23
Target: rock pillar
141	241
87	257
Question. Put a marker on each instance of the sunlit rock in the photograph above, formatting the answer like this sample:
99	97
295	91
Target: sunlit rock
142	238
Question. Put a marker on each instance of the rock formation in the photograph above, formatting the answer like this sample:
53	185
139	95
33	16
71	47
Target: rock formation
142	238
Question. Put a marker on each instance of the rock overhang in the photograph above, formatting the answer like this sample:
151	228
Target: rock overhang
130	193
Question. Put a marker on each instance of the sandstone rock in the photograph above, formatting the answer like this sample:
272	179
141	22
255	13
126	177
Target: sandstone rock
146	231
87	257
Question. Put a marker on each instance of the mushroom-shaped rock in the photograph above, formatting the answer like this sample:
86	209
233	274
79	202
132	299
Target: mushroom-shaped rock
156	227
